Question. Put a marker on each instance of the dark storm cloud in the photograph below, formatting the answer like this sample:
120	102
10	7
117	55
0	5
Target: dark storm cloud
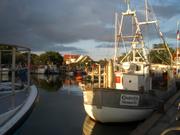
65	48
42	24
167	11
105	45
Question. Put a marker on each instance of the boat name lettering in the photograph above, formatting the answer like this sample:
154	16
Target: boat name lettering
131	100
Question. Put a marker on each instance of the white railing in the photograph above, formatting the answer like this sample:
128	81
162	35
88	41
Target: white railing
12	51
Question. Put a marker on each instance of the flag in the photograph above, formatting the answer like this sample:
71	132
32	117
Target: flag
178	35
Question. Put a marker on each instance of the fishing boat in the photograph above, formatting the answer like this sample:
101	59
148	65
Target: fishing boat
127	92
17	94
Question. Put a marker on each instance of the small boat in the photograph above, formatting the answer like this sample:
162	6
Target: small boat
18	95
70	73
40	69
127	92
52	69
5	71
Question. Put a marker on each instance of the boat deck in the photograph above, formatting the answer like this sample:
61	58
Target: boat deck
8	100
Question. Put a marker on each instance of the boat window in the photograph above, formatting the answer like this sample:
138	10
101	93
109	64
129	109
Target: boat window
138	68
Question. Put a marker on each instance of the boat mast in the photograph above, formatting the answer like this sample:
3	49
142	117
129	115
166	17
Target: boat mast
146	10
128	5
118	34
147	21
116	43
135	39
177	47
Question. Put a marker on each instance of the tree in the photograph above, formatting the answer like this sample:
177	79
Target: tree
34	59
159	54
51	58
21	58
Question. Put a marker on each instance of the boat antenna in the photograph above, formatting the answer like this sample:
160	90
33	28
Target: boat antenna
116	44
128	4
146	10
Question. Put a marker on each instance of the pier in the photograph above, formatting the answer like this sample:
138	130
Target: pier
161	122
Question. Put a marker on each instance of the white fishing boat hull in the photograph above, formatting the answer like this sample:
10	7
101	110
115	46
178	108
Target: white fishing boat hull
109	114
110	105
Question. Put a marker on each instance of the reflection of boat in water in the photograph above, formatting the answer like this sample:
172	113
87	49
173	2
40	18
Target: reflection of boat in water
91	127
80	75
16	99
129	97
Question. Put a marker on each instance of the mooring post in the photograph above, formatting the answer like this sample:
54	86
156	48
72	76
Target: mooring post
92	75
104	77
13	69
28	68
99	76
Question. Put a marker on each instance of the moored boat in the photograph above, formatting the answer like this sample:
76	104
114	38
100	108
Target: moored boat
18	95
109	105
127	93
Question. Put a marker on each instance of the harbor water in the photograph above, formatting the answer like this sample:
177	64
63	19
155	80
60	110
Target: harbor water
59	111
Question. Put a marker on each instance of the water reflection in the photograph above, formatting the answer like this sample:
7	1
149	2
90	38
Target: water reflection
60	111
49	83
54	83
91	127
60	108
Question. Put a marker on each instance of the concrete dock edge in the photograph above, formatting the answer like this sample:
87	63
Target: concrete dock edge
146	126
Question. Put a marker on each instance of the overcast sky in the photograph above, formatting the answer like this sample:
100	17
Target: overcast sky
74	26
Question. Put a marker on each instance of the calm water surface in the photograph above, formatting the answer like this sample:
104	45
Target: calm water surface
59	111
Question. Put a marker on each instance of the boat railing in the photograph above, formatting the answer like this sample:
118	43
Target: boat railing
6	94
11	51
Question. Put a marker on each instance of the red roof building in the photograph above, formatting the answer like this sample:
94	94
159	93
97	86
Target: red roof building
70	58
